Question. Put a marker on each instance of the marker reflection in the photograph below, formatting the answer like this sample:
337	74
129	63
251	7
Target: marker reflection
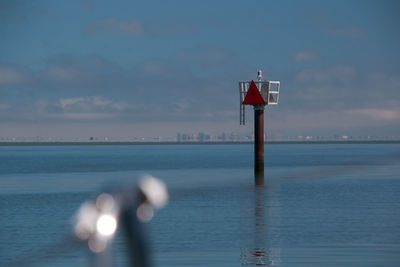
260	242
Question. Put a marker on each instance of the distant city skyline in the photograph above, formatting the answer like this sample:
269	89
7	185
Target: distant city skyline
202	137
72	70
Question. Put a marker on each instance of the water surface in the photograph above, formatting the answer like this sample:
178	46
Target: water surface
323	204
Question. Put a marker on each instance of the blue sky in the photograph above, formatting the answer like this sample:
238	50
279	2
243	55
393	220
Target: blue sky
123	69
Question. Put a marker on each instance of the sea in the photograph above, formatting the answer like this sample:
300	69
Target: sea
323	204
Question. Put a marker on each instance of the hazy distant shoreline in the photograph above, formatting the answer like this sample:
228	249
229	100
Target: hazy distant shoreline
74	143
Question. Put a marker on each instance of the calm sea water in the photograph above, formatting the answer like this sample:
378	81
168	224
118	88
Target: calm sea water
323	204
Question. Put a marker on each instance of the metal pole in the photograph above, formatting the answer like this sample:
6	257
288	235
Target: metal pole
259	144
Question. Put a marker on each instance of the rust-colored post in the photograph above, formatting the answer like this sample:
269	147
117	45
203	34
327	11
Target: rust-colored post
259	144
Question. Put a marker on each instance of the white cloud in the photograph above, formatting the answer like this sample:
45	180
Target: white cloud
90	104
64	102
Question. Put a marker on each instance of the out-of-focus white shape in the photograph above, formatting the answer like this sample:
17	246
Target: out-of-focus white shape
155	191
106	225
105	202
145	212
96	244
85	220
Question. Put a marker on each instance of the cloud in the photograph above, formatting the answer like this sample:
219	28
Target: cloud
84	116
326	76
10	75
381	81
97	108
91	104
341	87
181	25
207	57
205	74
173	26
318	89
4	107
162	26
85	75
345	31
87	5
305	56
194	86
66	109
113	25
328	120
58	73
376	114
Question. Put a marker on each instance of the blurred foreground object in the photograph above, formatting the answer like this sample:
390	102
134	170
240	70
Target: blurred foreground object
97	220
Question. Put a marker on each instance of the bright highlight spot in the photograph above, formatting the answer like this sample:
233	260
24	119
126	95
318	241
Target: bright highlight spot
155	191
106	225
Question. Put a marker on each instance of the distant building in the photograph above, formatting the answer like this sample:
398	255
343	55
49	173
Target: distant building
201	136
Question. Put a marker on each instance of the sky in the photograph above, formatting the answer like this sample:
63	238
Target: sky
131	69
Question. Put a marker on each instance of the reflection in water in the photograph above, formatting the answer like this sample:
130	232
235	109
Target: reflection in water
260	245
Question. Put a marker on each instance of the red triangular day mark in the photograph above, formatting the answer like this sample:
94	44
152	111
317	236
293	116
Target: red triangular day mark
253	96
